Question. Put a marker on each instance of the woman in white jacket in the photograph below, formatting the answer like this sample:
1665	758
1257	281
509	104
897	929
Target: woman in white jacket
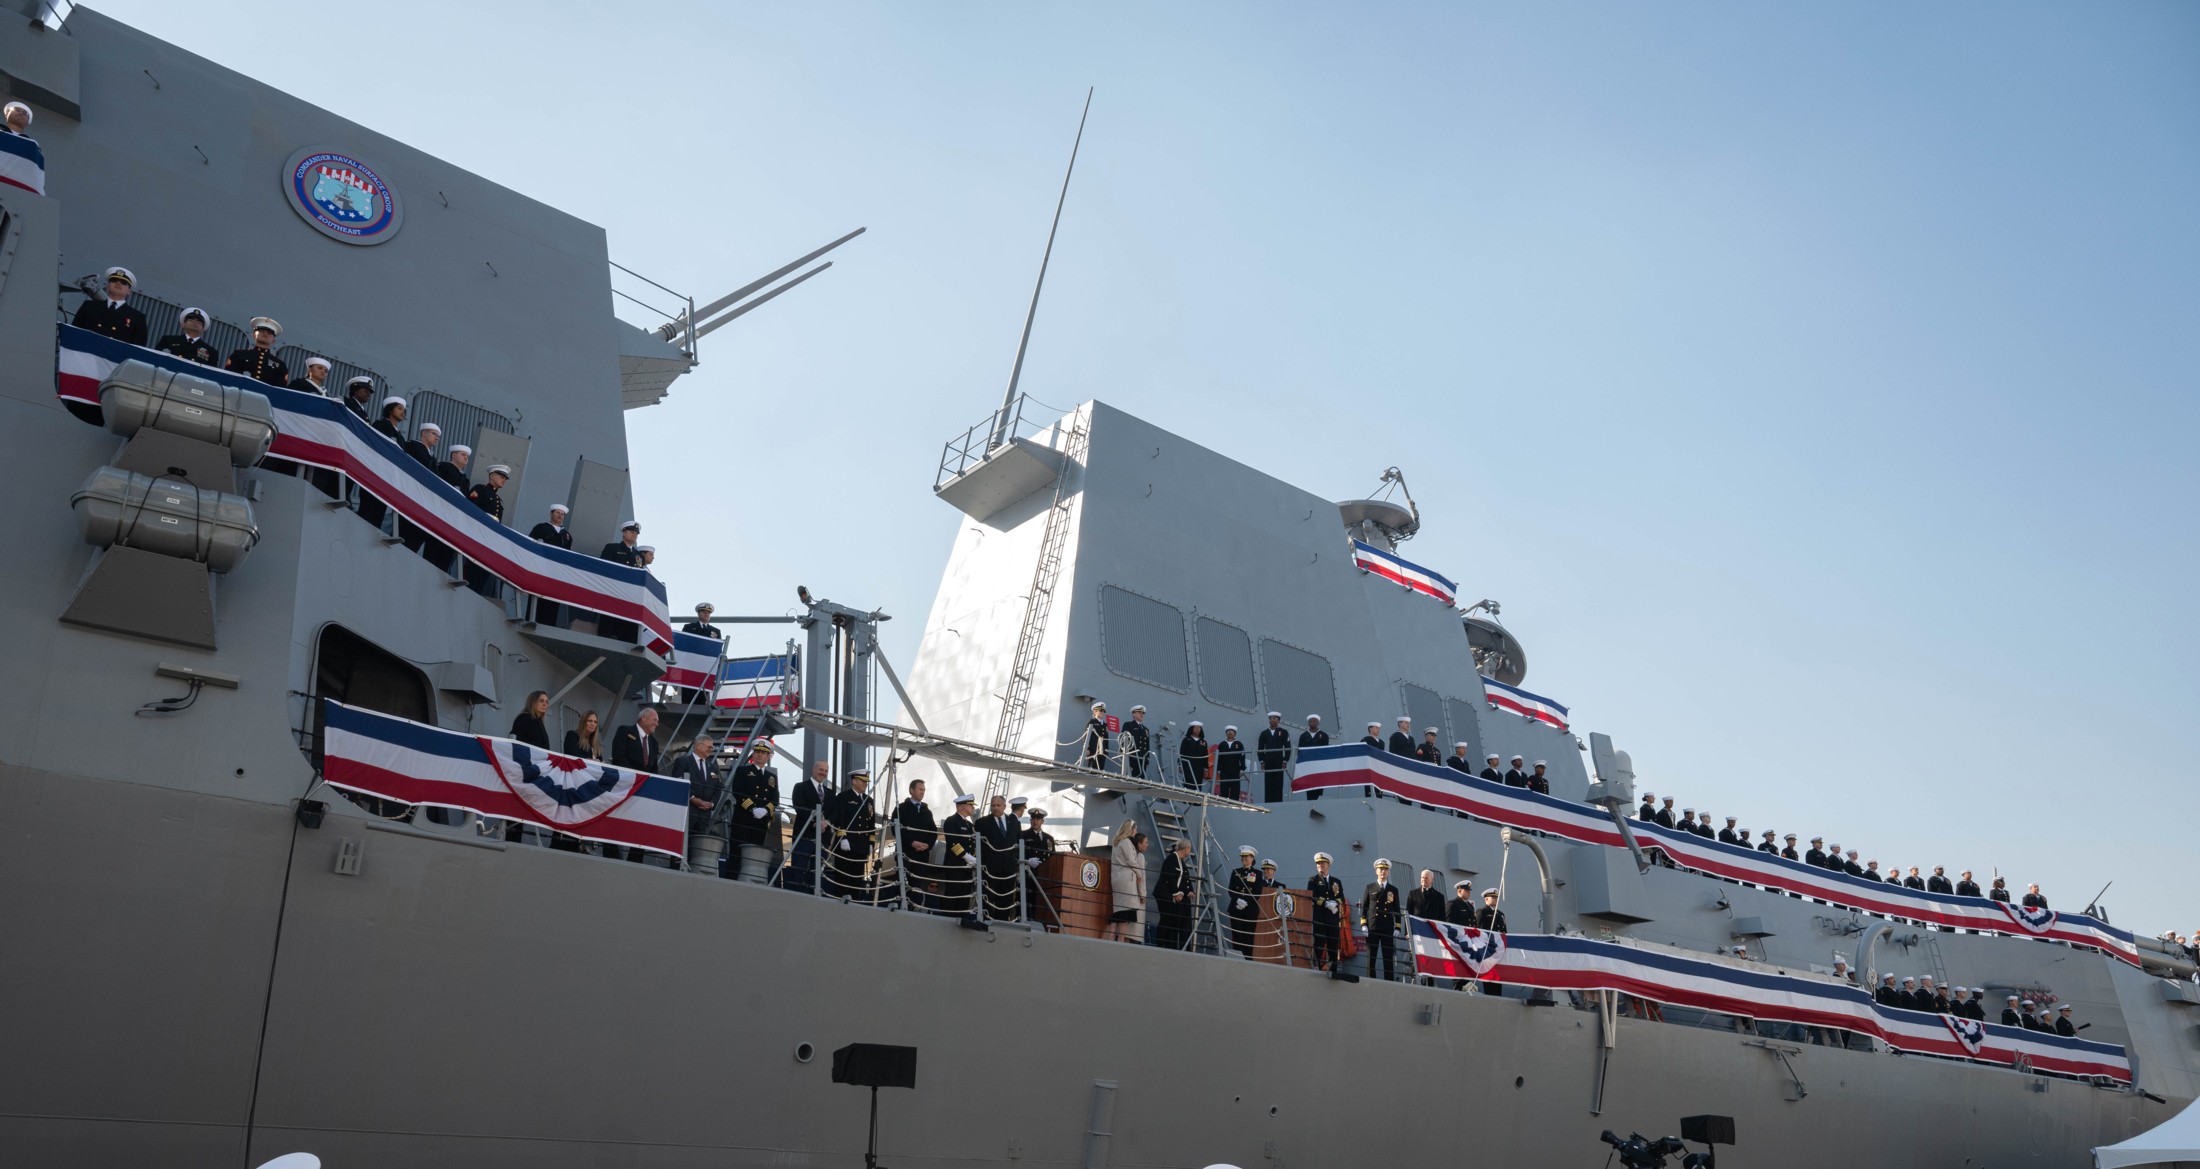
1127	880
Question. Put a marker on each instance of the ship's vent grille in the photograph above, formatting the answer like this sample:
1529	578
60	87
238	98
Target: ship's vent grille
1426	709
1226	664
1300	683
1464	726
462	422
1143	638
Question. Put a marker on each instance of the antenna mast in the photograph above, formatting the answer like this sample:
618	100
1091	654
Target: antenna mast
1016	371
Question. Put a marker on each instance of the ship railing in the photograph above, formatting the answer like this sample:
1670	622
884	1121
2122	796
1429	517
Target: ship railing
165	317
968	449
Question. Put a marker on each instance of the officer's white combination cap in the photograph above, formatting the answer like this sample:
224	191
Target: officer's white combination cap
1323	856
118	272
1248	850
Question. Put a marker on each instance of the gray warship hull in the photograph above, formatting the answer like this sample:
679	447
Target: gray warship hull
196	978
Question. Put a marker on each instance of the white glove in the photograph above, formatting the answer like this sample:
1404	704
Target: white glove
758	812
1332	904
1238	904
1033	862
842	846
973	861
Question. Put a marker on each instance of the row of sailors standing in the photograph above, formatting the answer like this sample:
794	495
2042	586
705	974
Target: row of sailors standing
1917	993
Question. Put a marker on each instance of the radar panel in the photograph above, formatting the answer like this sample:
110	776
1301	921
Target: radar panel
1143	639
1225	664
1299	683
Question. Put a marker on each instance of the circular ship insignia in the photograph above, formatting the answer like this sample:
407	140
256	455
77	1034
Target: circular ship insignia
1090	874
341	197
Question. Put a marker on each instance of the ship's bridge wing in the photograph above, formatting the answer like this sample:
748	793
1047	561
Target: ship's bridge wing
981	757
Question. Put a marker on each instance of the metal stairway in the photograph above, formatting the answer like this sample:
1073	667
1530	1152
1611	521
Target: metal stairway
1169	826
1037	607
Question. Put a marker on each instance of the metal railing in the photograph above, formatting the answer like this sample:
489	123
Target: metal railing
970	448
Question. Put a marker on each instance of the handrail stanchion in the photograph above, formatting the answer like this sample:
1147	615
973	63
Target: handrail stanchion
981	898
818	854
1023	908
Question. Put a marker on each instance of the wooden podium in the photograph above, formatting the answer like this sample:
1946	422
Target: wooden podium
1079	893
1284	933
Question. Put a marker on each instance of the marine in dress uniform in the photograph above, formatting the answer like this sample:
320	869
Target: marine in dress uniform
1273	749
1092	746
1140	752
259	362
1191	756
1328	896
1244	890
1429	751
1230	765
1816	857
1539	778
700	627
852	830
959	858
1382	912
1788	851
1767	845
111	315
191	346
1313	736
486	494
755	795
1174	893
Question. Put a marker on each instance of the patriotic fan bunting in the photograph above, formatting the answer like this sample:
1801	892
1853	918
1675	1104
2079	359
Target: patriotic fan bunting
2037	921
1354	765
563	790
1750	991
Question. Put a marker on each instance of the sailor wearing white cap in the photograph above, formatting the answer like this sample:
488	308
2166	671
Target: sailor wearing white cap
1230	765
421	446
1313	736
1459	760
189	341
1273	749
1327	893
111	315
393	416
1727	835
359	396
259	361
1092	744
1489	768
2064	1024
1382	914
17	118
1401	740
1192	756
553	532
315	379
2010	1015
1244	889
1516	776
1138	748
622	550
1373	738
1539	780
453	469
644	556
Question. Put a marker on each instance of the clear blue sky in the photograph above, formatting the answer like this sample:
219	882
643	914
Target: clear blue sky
1814	385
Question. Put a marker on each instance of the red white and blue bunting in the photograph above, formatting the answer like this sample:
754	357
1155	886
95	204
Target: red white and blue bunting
1392	567
694	661
412	763
322	432
1767	994
1356	765
1520	702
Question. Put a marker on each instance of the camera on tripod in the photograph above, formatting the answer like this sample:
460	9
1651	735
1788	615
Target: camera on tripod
1637	1151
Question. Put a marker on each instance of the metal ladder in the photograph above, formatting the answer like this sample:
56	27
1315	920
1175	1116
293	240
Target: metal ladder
1169	826
731	728
1037	607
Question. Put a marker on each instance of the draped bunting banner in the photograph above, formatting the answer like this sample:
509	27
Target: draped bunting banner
694	661
1356	765
322	432
770	682
1393	567
413	763
1519	701
1763	993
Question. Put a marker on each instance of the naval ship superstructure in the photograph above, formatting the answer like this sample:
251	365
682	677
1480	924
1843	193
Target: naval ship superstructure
213	958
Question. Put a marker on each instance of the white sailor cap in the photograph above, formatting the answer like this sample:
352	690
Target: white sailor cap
965	798
1466	885
2030	1003
1195	723
499	469
425	427
318	360
1275	714
1461	744
1731	819
1491	755
1248	850
268	323
461	449
1019	801
1382	862
1406	719
194	312
1978	990
393	400
556	508
1323	858
1890	978
1372	724
118	272
1540	763
2012	998
1688	811
1313	718
1231	729
651	549
359	380
8	111
1852	852
1909	978
1813	840
2064	1007
631	526
1519	758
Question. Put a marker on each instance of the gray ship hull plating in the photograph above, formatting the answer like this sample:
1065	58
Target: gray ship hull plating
193	979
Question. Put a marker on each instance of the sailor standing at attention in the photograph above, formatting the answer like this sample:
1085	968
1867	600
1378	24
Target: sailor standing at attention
315	380
553	532
1373	739
700	627
1092	751
1327	893
191	343
1967	887
1230	765
1244	890
1191	756
422	445
111	315
1401	740
1516	775
1727	834
259	362
1313	736
1459	760
1489	768
959	858
1140	752
1273	749
359	396
1379	912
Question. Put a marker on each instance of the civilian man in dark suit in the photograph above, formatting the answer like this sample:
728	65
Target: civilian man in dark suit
111	315
634	747
809	796
705	789
1175	893
1426	900
917	842
999	833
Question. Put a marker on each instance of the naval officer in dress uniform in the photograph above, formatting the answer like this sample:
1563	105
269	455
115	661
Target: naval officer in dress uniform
111	315
959	858
1092	749
1244	889
700	627
1328	896
853	829
1140	752
1381	913
359	397
1175	893
1273	749
259	361
754	791
190	342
